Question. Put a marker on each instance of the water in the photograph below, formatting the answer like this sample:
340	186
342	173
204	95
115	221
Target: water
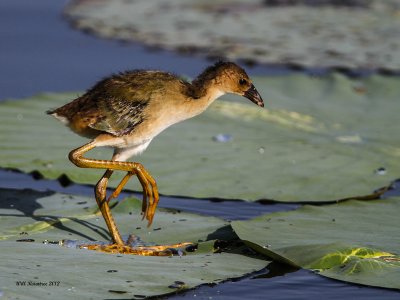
39	52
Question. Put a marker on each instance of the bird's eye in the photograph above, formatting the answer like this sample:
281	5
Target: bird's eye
242	81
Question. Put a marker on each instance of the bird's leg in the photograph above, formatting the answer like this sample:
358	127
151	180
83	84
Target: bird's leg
100	192
150	192
120	186
101	186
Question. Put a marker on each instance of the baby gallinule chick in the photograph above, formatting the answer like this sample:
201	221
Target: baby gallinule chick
127	110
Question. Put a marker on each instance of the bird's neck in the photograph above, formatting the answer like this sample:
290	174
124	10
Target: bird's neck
204	91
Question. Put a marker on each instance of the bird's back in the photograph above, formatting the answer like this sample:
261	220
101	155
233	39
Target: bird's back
119	104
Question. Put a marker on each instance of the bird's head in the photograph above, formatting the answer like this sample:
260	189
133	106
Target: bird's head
233	79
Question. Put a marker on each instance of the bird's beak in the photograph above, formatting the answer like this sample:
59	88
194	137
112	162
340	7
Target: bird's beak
253	95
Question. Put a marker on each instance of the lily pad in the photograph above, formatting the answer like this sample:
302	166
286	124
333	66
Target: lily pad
50	271
352	241
320	139
365	37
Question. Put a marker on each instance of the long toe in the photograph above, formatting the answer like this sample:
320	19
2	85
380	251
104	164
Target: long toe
147	194
152	209
160	250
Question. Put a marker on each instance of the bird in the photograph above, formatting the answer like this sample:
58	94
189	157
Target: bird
126	110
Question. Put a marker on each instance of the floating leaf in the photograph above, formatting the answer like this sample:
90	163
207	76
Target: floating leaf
318	140
351	241
52	271
361	37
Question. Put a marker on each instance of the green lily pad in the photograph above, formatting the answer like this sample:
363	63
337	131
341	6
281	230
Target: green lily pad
320	139
50	271
352	241
365	37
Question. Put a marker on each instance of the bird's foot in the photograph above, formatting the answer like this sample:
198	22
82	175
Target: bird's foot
150	194
135	246
160	250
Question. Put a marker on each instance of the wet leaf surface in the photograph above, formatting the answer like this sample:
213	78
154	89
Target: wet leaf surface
51	271
352	241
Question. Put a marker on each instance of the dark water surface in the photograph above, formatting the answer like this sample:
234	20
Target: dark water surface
39	52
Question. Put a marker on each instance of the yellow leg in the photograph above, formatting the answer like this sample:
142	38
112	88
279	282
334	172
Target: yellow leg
100	195
150	191
120	186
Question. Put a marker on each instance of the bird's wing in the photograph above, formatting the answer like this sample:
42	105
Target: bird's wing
119	116
120	105
122	100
